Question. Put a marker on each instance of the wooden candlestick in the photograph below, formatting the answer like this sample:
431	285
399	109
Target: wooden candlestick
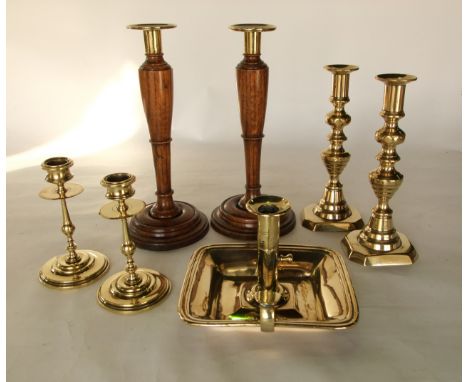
231	218
165	224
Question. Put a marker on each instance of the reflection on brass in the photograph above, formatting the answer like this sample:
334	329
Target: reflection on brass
378	243
268	285
252	35
135	288
152	36
79	266
332	213
268	293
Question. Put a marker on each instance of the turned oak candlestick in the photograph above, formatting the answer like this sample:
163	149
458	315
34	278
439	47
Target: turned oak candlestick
231	218
165	224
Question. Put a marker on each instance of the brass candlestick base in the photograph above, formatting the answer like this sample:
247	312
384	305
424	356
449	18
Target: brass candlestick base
316	223
379	243
332	213
77	267
135	288
405	254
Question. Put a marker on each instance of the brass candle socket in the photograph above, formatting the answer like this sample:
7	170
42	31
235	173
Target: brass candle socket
78	267
332	213
152	36
134	288
379	243
268	293
252	35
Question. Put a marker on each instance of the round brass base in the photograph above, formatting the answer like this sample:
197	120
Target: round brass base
231	220
116	294
58	273
316	223
404	255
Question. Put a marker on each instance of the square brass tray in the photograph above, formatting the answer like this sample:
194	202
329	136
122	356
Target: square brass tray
219	276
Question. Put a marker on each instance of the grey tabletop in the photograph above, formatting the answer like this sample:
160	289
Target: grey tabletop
410	317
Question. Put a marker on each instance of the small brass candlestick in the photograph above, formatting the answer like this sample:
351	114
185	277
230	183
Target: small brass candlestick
231	218
79	266
134	288
378	243
165	224
332	213
268	293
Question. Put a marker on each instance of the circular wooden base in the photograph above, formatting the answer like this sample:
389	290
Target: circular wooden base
162	234
231	220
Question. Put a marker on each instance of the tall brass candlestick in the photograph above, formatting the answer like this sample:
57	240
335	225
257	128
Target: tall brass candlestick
379	243
166	224
134	288
231	218
332	213
79	266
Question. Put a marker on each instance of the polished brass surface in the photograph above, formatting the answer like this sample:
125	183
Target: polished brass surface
252	35
152	36
267	293
333	213
220	279
267	285
133	289
77	267
379	243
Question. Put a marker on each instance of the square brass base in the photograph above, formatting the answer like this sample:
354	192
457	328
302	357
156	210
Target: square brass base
220	277
404	255
315	223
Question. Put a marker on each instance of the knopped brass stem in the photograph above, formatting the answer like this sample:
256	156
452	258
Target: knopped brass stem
268	293
68	228
379	243
332	213
128	247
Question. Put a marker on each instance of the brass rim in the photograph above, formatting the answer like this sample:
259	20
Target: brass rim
149	27
396	78
253	27
341	68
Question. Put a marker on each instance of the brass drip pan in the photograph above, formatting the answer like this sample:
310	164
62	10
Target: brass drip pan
220	276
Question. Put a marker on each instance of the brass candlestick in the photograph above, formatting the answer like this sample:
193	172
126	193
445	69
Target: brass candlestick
79	266
268	293
134	288
231	217
267	284
378	243
332	213
165	224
